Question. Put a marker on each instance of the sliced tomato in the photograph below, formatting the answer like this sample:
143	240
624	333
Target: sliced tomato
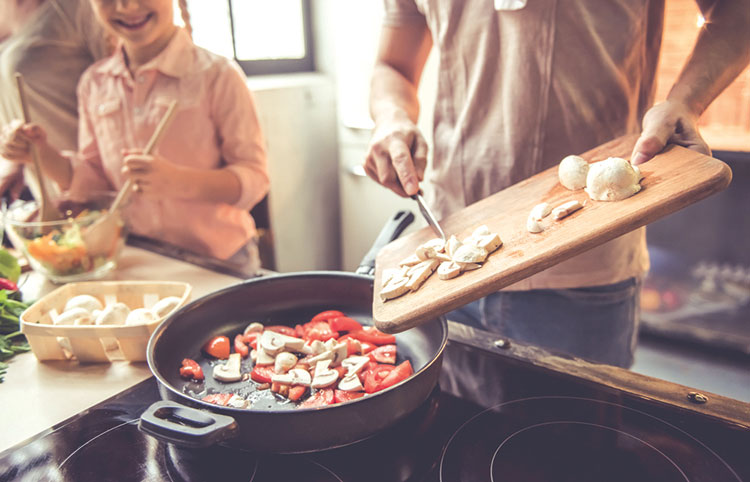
190	370
344	323
251	339
384	354
217	347
366	347
319	330
401	372
373	377
327	315
353	347
296	392
322	397
262	374
374	336
240	346
218	398
342	371
340	396
299	331
284	330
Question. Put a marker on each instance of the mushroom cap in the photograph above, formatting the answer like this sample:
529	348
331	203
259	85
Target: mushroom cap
165	305
114	314
612	179
87	302
141	316
572	172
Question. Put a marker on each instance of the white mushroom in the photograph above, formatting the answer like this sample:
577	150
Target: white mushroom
273	342
253	327
572	172
326	355
419	273
488	242
566	209
410	261
430	249
351	383
70	317
114	314
354	364
165	306
295	376
262	358
230	370
235	401
540	211
87	302
470	254
141	316
284	362
391	273
339	353
394	289
533	225
324	376
452	245
469	266
448	270
612	179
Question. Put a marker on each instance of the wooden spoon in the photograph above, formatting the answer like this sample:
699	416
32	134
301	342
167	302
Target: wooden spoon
47	210
102	235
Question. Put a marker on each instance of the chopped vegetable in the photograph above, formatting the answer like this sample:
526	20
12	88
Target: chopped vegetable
217	347
12	340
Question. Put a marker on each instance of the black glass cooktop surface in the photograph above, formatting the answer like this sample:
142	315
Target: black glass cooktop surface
493	418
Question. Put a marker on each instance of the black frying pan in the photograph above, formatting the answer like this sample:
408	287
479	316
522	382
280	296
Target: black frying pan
271	425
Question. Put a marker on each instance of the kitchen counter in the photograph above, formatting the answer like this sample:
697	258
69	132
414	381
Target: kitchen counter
36	396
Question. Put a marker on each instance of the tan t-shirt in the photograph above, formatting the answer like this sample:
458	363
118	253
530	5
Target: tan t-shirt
60	40
518	90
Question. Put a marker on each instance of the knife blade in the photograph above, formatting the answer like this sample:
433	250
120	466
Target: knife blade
429	217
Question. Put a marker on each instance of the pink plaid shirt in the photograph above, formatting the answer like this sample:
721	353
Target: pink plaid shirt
215	126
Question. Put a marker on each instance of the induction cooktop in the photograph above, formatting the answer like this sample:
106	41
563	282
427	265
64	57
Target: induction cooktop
501	412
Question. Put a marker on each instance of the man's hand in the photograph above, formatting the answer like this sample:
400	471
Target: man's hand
397	156
154	176
17	139
668	123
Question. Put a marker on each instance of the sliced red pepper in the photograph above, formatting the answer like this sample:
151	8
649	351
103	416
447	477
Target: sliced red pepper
240	346
326	315
262	374
217	347
296	392
374	336
251	339
319	330
384	354
284	330
399	373
191	370
373	377
218	398
344	323
340	396
321	398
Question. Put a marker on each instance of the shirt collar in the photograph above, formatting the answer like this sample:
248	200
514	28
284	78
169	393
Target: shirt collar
175	60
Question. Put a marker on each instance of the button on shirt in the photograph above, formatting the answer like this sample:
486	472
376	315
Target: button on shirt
215	126
520	89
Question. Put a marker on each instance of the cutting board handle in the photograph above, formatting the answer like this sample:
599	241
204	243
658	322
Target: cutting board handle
392	230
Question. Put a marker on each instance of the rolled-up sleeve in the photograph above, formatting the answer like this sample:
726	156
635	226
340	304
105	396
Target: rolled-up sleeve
86	164
240	136
401	12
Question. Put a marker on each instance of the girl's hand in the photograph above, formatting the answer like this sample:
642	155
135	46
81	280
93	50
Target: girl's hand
17	138
668	123
154	176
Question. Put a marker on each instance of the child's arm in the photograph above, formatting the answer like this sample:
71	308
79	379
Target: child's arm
17	144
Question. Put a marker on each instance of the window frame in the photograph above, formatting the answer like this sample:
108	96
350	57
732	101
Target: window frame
280	66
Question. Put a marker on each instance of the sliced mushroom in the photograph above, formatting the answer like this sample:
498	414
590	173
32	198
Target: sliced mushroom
533	225
488	242
284	362
391	273
165	305
351	383
452	245
324	376
339	353
87	302
354	364
326	355
235	401
410	261
230	370
253	327
448	270
273	342
316	347
295	376
566	209
430	249
262	358
419	274
394	289
469	266
540	211
470	254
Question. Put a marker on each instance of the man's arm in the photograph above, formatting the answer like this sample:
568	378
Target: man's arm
721	52
398	153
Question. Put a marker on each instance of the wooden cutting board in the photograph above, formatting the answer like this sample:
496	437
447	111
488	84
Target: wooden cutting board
672	180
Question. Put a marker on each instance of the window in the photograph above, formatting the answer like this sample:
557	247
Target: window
264	37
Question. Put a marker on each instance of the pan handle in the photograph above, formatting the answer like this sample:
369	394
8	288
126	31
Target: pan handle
184	426
392	229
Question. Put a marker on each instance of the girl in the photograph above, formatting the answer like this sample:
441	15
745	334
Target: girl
209	169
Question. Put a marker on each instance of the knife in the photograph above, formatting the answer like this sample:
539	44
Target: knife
429	217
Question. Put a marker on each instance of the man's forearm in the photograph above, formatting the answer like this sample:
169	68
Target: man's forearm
720	54
392	96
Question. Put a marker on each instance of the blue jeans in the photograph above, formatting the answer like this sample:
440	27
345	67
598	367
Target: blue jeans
596	323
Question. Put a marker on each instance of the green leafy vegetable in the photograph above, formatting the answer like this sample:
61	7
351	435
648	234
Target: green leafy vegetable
9	267
12	341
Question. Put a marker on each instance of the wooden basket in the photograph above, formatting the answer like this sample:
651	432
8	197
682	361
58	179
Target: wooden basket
89	343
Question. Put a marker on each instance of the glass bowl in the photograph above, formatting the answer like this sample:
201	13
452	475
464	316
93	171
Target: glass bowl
59	249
